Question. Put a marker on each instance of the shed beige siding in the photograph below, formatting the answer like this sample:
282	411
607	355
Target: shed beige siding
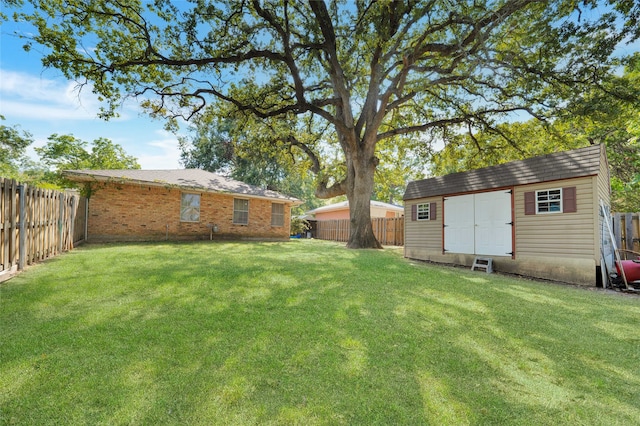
603	194
557	234
423	238
557	246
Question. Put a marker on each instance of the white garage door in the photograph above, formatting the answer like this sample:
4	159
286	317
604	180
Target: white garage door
479	224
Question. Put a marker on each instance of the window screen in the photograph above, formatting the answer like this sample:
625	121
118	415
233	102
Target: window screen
240	211
190	207
277	214
549	201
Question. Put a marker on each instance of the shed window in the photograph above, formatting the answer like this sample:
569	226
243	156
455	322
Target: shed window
240	211
549	201
277	214
424	211
561	200
189	207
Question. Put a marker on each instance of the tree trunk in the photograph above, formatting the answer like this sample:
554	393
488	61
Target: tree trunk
359	190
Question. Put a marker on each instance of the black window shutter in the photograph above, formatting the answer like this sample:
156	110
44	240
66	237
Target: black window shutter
529	203
432	211
414	212
569	202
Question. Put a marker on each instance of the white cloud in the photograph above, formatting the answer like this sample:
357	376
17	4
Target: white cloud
24	95
44	106
164	153
32	110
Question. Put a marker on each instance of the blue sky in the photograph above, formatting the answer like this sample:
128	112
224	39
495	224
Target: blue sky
42	102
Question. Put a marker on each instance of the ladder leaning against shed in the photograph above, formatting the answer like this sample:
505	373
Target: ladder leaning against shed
485	263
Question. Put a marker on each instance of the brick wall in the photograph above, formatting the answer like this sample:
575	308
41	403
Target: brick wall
138	212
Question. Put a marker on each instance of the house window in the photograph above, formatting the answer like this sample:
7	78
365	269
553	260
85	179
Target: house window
549	201
423	211
190	207
277	214
240	211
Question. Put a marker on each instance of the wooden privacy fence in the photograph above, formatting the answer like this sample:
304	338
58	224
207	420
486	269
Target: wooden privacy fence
626	230
35	224
388	231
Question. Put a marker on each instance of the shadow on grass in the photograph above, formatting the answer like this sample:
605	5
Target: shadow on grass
306	332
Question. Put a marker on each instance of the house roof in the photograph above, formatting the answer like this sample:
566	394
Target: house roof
193	179
557	166
345	205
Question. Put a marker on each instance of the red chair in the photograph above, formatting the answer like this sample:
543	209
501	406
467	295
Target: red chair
631	267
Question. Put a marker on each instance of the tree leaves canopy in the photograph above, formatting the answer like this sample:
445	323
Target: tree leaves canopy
242	149
13	145
66	152
592	118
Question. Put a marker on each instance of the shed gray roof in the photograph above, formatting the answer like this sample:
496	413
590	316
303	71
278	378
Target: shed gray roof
194	179
560	165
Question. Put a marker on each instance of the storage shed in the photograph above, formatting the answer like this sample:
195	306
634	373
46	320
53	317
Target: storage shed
538	217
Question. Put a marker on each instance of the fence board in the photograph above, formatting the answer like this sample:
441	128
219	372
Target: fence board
628	230
35	224
388	231
80	220
626	227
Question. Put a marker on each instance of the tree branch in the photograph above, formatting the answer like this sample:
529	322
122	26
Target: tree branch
315	167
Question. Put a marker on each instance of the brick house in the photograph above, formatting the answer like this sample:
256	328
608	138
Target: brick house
151	205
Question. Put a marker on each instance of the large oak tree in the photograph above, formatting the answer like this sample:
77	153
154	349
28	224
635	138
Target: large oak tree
362	71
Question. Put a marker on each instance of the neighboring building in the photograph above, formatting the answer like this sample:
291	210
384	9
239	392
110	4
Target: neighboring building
538	217
341	211
145	205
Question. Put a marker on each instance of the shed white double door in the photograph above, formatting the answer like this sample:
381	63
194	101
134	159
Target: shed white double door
479	224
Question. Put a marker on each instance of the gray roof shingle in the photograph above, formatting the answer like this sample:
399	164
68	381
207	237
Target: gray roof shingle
560	165
186	178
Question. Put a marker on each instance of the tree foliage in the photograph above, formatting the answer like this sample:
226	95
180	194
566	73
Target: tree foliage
363	72
591	118
244	149
240	148
66	152
13	146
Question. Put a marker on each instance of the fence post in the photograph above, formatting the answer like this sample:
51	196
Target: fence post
86	219
14	225
22	244
72	220
4	213
61	197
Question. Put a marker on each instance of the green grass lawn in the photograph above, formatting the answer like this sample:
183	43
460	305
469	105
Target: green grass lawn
307	332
